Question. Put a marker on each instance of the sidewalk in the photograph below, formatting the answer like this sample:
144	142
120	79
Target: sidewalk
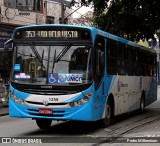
3	111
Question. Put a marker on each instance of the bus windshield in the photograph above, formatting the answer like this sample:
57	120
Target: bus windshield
57	65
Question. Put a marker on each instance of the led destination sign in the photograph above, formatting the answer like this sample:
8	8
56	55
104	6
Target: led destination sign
53	33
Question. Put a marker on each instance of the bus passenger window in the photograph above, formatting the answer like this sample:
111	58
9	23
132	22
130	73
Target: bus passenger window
111	57
121	58
121	70
130	61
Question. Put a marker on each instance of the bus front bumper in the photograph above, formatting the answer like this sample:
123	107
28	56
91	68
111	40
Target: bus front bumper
81	113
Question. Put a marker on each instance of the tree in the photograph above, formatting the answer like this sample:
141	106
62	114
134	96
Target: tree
134	19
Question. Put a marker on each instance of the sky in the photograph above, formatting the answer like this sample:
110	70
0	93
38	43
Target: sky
82	11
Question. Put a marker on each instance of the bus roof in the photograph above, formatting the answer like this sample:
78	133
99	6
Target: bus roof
98	31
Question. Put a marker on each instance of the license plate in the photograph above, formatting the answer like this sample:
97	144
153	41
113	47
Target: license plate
45	111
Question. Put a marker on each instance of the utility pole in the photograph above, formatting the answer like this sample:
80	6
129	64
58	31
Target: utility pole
62	11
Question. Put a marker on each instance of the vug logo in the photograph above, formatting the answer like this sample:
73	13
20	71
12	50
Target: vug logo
6	140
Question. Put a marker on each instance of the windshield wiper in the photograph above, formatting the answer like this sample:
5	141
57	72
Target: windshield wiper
36	53
62	53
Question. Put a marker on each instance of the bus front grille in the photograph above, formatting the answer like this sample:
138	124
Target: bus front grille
41	103
47	92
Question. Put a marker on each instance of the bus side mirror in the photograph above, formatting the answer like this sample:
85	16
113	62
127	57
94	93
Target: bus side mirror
7	46
99	62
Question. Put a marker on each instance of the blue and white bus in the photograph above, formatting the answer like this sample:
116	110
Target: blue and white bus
66	72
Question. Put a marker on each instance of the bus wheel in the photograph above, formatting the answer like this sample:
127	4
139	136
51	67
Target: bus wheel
43	123
108	115
142	104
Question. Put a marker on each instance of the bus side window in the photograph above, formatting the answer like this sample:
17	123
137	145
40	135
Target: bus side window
130	61
111	57
121	59
138	67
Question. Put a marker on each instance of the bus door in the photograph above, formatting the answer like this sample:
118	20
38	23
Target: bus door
99	78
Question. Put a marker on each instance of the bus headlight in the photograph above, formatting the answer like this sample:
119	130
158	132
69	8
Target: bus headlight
81	101
71	104
86	98
16	99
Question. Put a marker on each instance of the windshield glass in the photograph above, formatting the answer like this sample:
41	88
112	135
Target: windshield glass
56	65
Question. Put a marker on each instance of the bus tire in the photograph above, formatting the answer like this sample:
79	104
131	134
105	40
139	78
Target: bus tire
142	103
43	123
108	119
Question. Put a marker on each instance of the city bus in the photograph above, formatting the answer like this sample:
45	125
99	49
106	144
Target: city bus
68	72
